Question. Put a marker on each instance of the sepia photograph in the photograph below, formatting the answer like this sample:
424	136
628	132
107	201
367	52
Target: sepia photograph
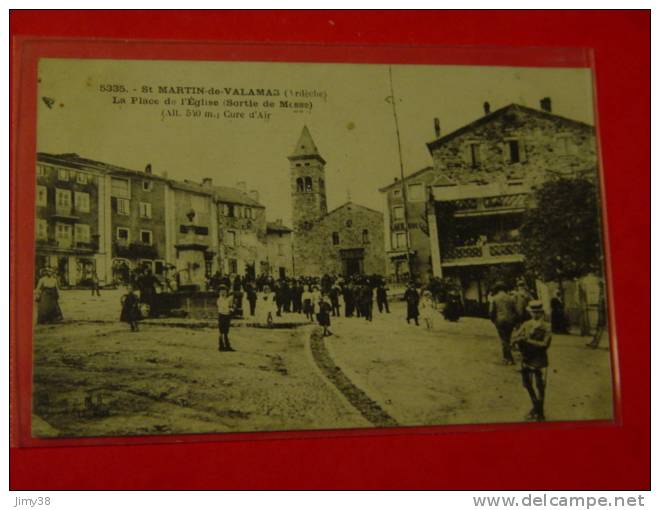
229	247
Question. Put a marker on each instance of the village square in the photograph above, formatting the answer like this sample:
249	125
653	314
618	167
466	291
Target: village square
173	306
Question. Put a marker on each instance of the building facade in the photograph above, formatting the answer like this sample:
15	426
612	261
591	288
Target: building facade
475	193
93	217
241	231
69	220
279	240
347	240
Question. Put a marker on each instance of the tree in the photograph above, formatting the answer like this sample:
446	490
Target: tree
560	233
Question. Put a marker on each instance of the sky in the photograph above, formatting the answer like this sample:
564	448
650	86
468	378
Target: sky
353	128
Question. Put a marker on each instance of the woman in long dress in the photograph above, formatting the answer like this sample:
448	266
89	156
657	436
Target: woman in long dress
266	306
47	295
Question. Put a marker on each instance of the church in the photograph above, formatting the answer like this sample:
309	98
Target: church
347	240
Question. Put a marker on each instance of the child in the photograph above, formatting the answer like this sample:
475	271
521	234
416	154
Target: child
324	314
308	303
225	309
533	340
268	306
130	309
426	309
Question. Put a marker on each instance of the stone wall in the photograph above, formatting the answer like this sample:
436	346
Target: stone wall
547	144
316	254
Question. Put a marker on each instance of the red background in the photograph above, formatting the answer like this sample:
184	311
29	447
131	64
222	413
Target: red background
585	456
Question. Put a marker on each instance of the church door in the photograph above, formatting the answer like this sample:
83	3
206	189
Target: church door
352	266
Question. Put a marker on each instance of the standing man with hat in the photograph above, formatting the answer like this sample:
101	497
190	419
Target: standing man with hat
533	340
225	309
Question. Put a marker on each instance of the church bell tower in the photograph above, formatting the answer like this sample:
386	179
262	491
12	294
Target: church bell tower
307	183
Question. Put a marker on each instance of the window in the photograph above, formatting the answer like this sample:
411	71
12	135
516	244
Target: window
239	211
565	145
147	185
335	238
42	229
365	236
145	210
123	206
82	233
474	154
514	151
81	201
63	235
300	186
399	240
230	210
81	178
159	267
349	223
396	193
231	238
248	212
42	196
42	170
123	235
397	213
63	199
233	266
308	184
146	237
62	174
416	192
321	184
120	188
306	163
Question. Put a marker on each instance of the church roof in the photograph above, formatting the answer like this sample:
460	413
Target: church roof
349	203
306	148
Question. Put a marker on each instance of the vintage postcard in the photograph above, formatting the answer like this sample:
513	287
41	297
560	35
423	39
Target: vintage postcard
247	246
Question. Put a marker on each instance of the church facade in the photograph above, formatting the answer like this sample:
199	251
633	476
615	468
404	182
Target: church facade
347	240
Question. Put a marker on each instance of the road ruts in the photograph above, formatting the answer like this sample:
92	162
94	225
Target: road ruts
358	398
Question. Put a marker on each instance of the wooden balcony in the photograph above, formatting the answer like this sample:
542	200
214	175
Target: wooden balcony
488	253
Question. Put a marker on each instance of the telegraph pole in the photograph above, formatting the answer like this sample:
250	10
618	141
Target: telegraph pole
392	100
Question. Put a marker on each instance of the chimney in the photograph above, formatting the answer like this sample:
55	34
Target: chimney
486	108
242	185
164	174
254	195
546	104
207	182
147	169
436	126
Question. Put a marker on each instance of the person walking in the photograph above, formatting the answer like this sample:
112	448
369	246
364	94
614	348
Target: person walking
503	315
533	339
601	323
381	298
225	305
427	309
308	303
251	294
323	316
130	309
334	299
411	297
95	284
47	295
452	309
558	314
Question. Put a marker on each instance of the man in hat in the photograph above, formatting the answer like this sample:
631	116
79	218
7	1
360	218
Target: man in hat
225	309
503	315
533	339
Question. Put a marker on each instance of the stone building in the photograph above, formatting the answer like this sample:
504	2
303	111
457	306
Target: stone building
136	207
475	193
241	231
69	223
279	239
347	240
